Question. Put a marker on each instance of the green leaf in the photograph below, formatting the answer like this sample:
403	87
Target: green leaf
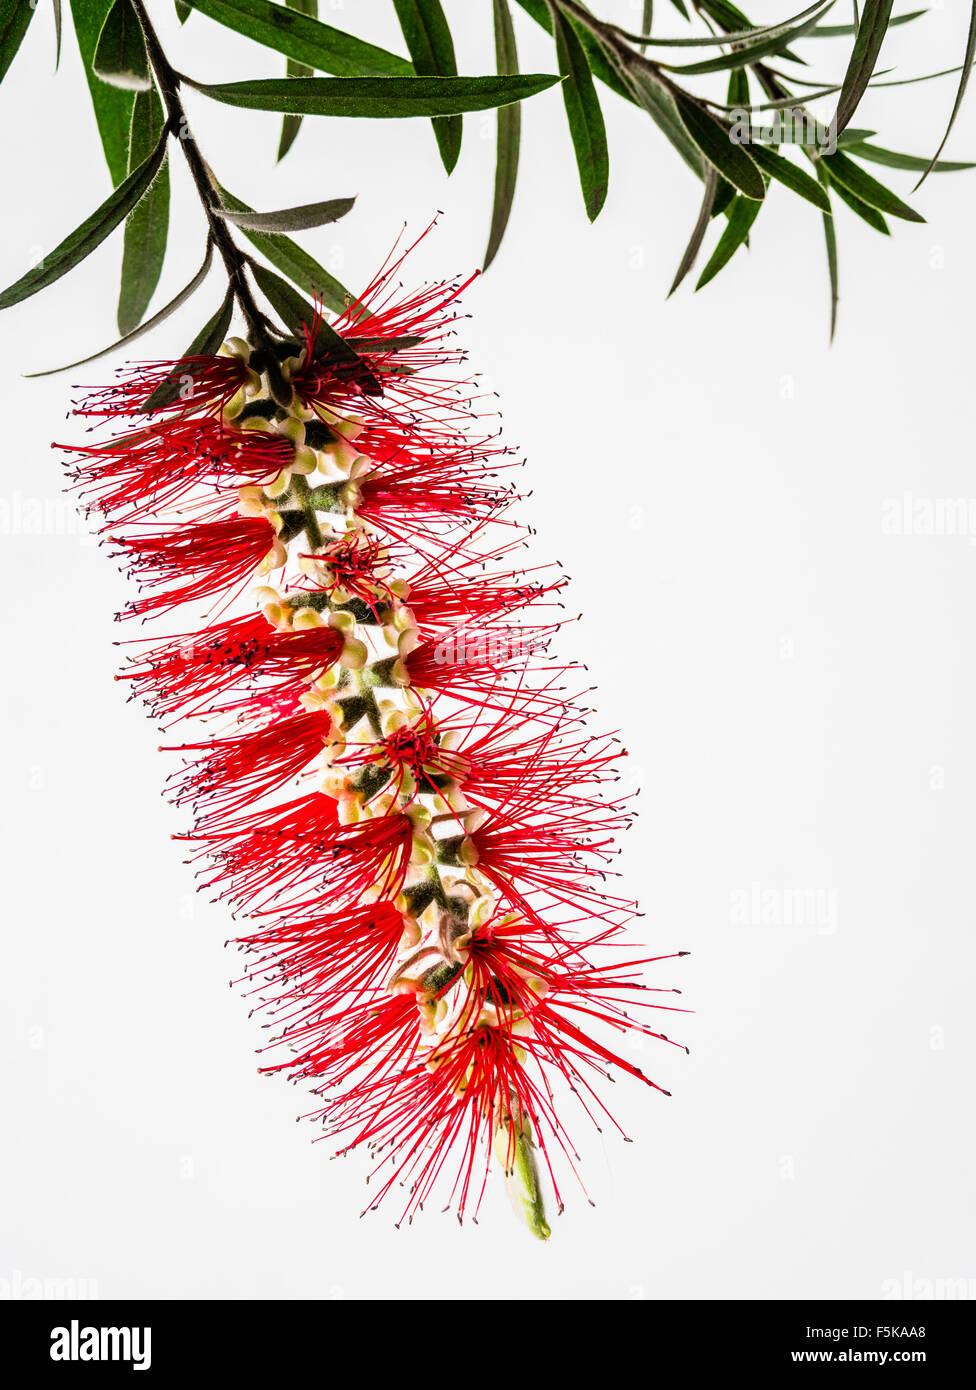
743	213
790	176
120	54
715	143
113	107
205	344
57	35
183	11
290	219
647	21
836	31
830	240
731	19
740	35
15	16
509	120
845	173
864	58
913	162
738	94
298	36
853	136
298	315
146	327
967	65
428	38
293	261
90	234
863	210
378	97
756	49
699	229
290	125
584	115
650	94
147	225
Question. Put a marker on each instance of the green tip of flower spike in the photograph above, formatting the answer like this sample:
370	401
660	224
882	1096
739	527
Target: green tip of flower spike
515	1151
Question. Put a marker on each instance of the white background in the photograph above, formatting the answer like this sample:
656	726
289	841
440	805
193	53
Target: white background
797	688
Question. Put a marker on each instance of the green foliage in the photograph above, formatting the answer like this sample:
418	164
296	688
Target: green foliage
734	147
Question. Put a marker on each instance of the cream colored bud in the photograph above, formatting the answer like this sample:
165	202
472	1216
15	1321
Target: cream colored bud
291	428
307	618
235	347
354	654
407	642
280	485
235	405
256	424
391	719
361	466
421	853
350	496
344	621
305	461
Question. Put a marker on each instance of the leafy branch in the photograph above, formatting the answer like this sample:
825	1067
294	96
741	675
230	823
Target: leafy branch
739	138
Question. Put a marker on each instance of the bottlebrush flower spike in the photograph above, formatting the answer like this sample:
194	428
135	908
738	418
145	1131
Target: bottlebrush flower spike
432	942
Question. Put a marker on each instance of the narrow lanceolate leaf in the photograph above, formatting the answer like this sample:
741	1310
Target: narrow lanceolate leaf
147	225
290	125
967	66
183	11
205	344
699	229
837	31
381	98
739	35
120	54
654	98
863	210
830	240
790	176
57	35
845	173
112	105
301	268
428	38
303	38
290	219
867	46
647	20
583	113
716	144
146	327
754	50
913	162
90	234
15	15
509	133
743	213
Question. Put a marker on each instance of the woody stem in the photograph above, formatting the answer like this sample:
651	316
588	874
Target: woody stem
235	262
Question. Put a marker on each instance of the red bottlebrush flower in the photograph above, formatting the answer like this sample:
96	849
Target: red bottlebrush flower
200	560
313	964
235	772
159	465
303	847
427	918
154	389
244	655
